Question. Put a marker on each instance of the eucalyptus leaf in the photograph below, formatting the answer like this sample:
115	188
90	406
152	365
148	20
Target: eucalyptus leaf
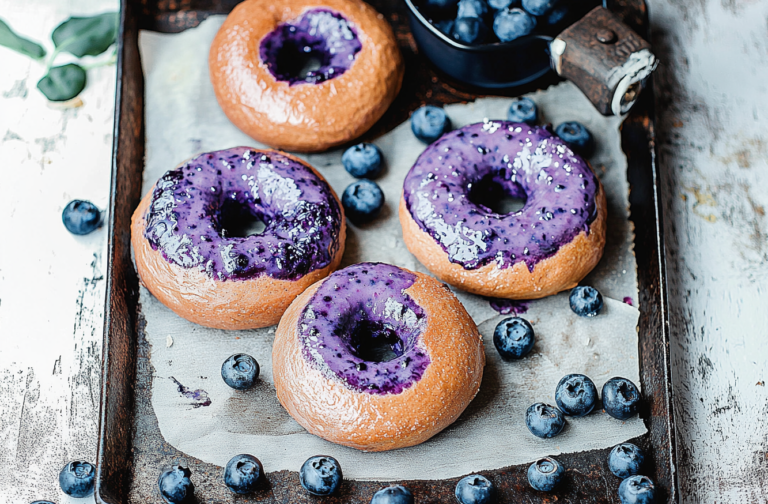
11	40
62	82
86	36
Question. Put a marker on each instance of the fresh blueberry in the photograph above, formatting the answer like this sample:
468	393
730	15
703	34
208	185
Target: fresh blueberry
242	474
511	24
513	338
474	489
395	494
538	7
469	30
523	110
43	502
175	486
81	217
362	160
576	395
429	123
240	371
445	26
625	460
620	398
76	478
321	475
440	4
500	4
362	201
637	490
586	301
577	136
544	421
472	8
556	16
545	474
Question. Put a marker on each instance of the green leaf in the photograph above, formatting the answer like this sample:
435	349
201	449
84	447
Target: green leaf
62	82
10	40
86	36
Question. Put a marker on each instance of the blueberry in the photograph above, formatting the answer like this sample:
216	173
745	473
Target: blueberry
556	16
523	110
576	395
511	24
240	371
625	460
395	494
321	475
81	217
538	7
500	4
445	26
362	201
637	490
440	4
513	338
586	301
362	161
43	502
76	478
469	30
544	421
471	8
429	123
620	398
175	486
577	136
242	474
474	489
545	474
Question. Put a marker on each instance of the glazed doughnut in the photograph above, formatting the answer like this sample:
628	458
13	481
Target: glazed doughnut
376	357
189	259
305	75
547	246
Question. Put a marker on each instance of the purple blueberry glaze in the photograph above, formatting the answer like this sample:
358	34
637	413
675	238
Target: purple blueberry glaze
528	162
199	396
191	204
628	300
315	47
507	306
355	308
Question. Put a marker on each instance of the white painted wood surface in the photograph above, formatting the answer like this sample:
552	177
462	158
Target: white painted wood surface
712	97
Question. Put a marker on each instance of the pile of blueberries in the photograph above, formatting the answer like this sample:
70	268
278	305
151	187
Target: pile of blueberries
576	396
475	22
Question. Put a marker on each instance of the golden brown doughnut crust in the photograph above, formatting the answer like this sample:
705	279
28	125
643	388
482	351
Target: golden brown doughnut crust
303	117
231	304
562	271
372	422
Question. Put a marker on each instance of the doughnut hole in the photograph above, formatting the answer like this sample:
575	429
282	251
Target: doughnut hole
375	342
317	46
494	194
240	220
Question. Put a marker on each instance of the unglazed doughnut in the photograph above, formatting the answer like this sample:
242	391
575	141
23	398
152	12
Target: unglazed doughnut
185	254
305	75
547	246
376	357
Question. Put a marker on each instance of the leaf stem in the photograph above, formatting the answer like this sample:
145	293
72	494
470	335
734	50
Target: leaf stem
112	59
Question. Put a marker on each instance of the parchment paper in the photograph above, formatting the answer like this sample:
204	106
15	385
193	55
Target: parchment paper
198	414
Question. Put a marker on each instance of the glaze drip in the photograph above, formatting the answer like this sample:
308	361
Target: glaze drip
313	48
528	162
191	204
352	315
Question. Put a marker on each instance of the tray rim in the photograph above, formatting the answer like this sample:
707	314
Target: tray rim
122	284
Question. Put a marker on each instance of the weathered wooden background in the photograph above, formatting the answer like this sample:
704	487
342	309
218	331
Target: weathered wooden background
712	109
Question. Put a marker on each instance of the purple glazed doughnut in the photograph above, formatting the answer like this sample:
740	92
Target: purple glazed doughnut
546	247
188	258
376	357
305	75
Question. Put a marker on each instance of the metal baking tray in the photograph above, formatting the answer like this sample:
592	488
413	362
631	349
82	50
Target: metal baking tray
131	450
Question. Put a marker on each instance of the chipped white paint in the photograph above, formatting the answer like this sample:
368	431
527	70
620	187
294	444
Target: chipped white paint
51	283
713	128
712	108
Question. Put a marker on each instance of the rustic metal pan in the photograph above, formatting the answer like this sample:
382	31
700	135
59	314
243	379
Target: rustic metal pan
131	451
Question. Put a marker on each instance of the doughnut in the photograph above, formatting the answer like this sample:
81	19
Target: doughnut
305	75
191	257
546	247
376	357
